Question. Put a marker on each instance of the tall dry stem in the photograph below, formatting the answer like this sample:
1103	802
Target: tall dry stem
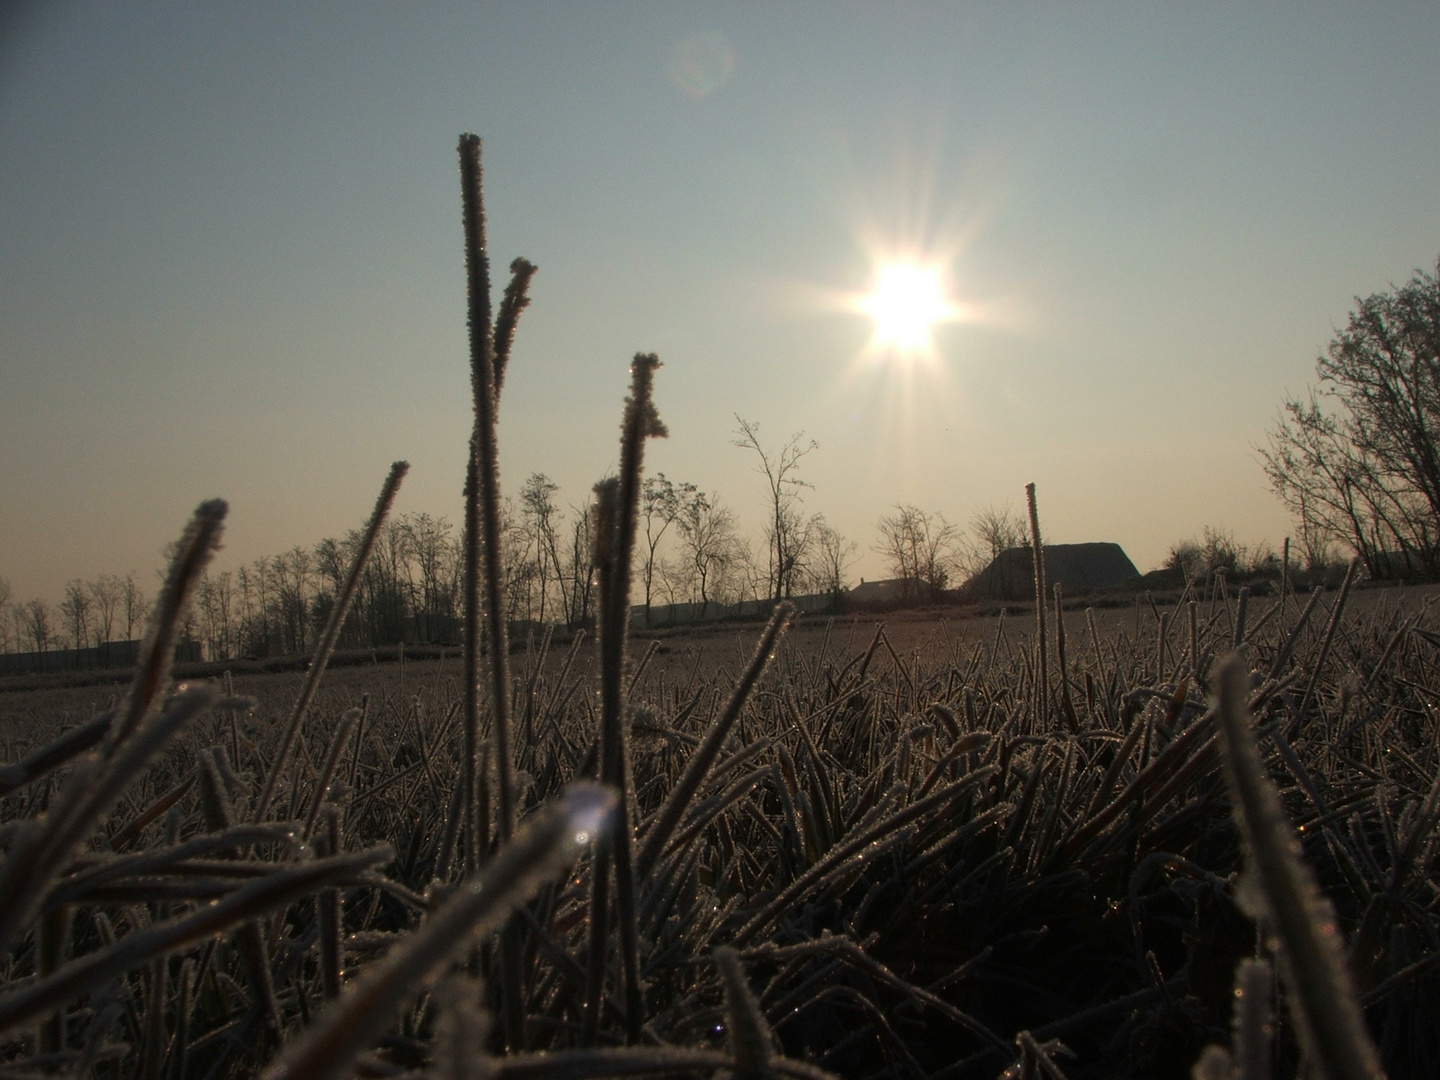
490	346
489	353
617	505
1042	689
197	546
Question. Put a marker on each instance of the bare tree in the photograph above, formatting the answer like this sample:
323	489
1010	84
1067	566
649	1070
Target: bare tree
331	567
132	605
538	549
292	572
834	555
106	592
1357	461
262	631
674	579
920	548
430	546
75	607
386	600
786	533
6	613
1216	550
214	603
579	567
39	624
1187	558
249	617
995	530
710	534
662	502
799	546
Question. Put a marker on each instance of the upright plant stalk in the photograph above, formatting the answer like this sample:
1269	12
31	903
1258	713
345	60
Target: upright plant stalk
606	509
1042	699
328	909
482	517
1284	572
477	277
1067	703
618	503
516	300
1241	608
1290	905
489	354
1194	642
330	635
197	546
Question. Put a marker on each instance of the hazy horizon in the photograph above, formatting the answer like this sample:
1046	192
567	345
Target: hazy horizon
230	257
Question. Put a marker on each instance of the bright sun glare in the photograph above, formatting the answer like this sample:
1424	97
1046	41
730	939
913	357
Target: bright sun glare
908	300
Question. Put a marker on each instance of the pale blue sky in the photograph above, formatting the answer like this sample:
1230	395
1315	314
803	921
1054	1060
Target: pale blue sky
230	254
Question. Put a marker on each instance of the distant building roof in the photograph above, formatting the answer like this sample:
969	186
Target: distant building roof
1075	567
889	591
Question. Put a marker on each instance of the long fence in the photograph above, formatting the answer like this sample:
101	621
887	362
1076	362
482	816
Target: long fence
662	615
109	654
434	630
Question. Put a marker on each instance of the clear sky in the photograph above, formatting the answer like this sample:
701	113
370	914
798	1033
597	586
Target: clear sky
230	257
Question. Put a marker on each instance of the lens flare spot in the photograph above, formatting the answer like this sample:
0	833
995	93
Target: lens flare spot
702	64
587	808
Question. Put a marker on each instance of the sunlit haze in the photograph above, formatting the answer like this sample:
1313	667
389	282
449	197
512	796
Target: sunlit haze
907	302
1117	236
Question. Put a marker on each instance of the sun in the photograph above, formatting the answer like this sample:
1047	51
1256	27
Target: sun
907	301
